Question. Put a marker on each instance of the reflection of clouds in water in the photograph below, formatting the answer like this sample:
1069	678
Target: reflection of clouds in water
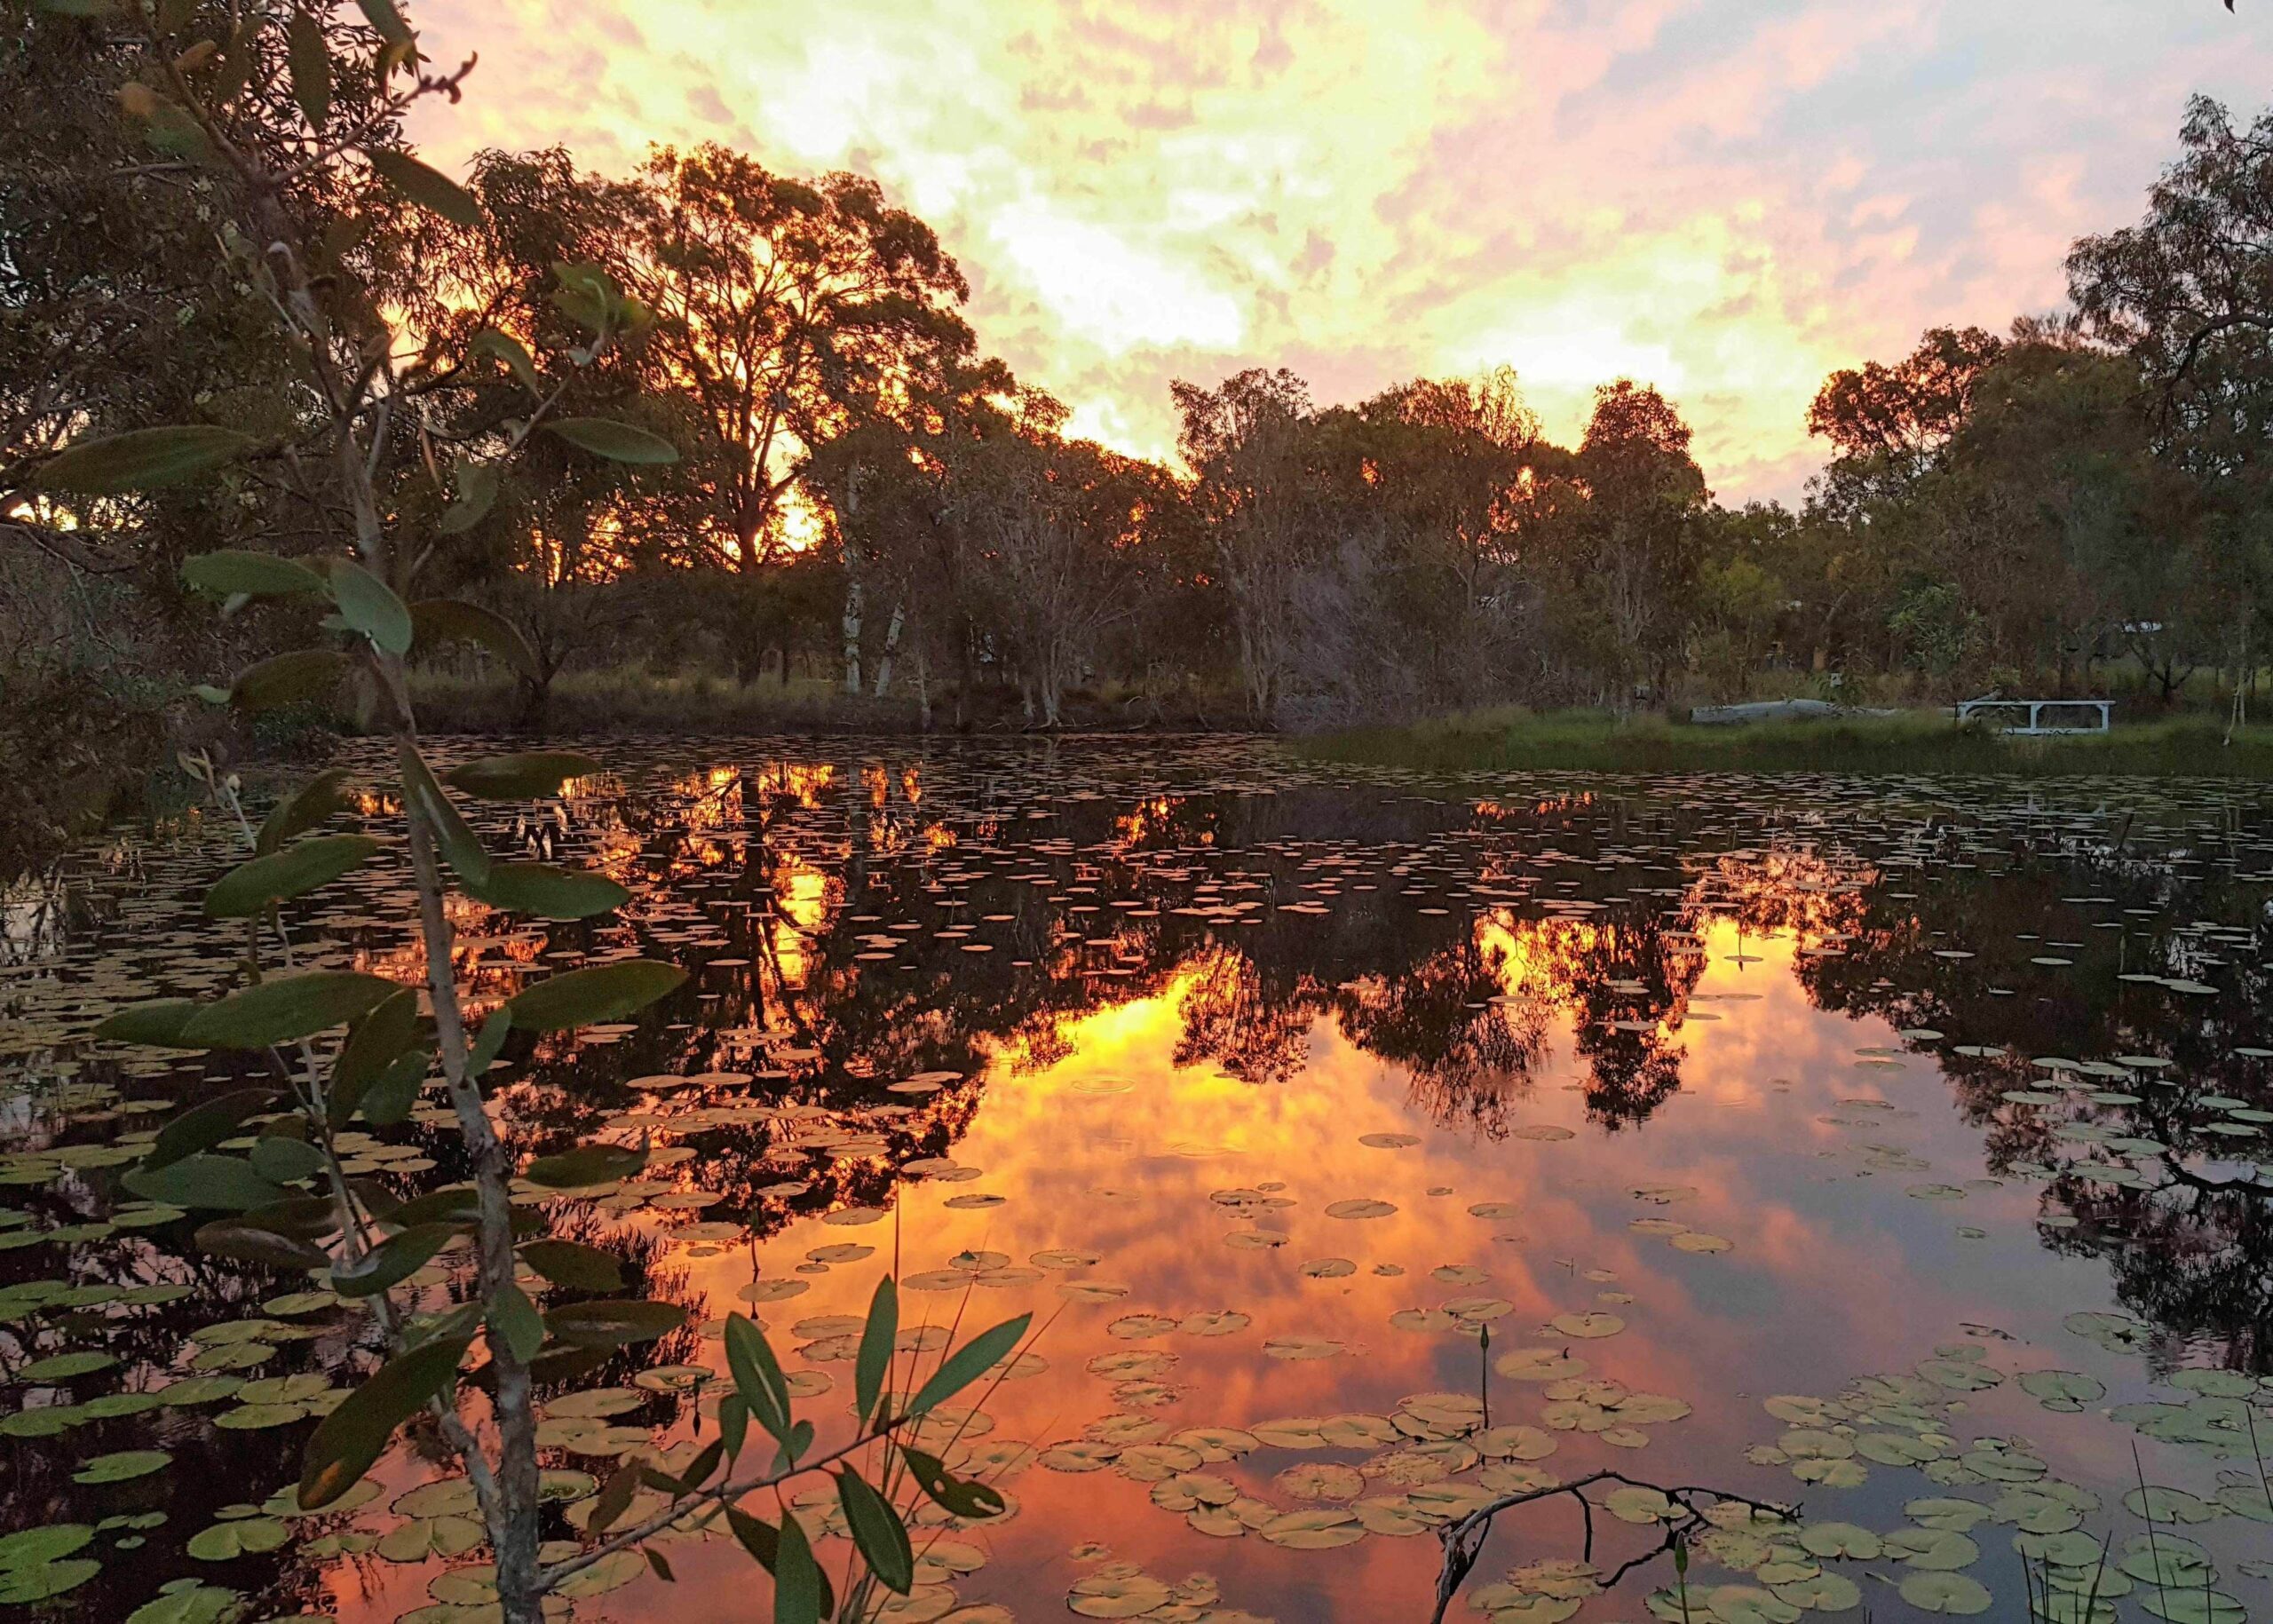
1487	1027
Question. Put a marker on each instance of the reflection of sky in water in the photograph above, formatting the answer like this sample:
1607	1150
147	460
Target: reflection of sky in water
1188	995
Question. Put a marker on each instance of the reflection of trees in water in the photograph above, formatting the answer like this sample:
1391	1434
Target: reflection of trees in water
1469	1046
2190	1251
2193	1258
1248	1024
782	865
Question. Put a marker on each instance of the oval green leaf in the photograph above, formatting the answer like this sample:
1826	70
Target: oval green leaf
619	442
143	459
281	876
286	1008
354	1435
599	992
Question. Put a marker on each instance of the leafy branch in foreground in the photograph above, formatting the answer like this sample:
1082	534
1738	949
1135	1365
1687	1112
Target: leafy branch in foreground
372	414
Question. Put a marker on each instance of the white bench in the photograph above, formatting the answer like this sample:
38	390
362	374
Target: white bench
2102	708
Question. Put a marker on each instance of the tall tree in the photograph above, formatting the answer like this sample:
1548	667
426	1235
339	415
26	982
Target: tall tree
790	312
1252	445
2188	292
1638	538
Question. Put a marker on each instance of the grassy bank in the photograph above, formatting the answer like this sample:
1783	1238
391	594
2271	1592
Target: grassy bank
624	701
1916	743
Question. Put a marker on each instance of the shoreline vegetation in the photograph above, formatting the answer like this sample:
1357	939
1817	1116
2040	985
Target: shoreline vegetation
1508	738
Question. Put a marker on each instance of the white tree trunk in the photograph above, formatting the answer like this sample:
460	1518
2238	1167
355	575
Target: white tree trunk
891	644
853	607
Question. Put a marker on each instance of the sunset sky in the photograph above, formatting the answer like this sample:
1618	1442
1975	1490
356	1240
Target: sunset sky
1726	198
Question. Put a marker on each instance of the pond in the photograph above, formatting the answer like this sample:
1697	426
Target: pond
1366	1145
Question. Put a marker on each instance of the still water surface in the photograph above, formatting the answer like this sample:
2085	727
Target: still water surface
1788	1137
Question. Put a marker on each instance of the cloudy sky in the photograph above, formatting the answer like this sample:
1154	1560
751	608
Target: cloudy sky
1726	198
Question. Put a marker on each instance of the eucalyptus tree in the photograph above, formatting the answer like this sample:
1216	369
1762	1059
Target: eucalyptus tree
243	101
788	311
2188	292
1252	446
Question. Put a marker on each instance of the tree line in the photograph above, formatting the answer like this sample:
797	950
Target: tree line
861	495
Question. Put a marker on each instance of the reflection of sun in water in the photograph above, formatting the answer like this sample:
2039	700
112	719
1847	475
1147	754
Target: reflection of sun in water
804	894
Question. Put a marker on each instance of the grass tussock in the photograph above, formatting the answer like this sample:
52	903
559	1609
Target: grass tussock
1916	743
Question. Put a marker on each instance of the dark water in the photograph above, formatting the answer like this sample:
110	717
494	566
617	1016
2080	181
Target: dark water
1867	1145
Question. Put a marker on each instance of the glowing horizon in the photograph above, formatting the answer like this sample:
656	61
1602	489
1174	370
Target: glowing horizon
1727	201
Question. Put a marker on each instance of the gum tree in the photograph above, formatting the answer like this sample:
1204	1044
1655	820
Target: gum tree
248	105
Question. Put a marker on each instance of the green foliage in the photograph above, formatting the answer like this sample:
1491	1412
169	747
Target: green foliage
877	1531
527	776
967	1363
441	619
597	993
299	677
158	1022
612	1322
879	1334
202	1127
577	1267
286	1010
352	1436
585	1166
461	847
392	1262
321	797
281	876
619	442
143	459
426	187
227	573
550	892
368	604
229	1184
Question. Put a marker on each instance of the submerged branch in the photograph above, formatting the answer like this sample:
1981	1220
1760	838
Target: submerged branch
1463	1541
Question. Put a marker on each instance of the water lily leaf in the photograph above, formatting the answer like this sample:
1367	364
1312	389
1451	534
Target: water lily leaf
578	1267
2062	1390
586	1165
123	1465
37	1582
1940	1592
613	1323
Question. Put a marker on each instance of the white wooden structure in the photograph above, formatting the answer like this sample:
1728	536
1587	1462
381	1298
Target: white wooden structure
2102	710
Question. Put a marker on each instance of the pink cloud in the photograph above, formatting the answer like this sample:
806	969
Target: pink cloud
1735	196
